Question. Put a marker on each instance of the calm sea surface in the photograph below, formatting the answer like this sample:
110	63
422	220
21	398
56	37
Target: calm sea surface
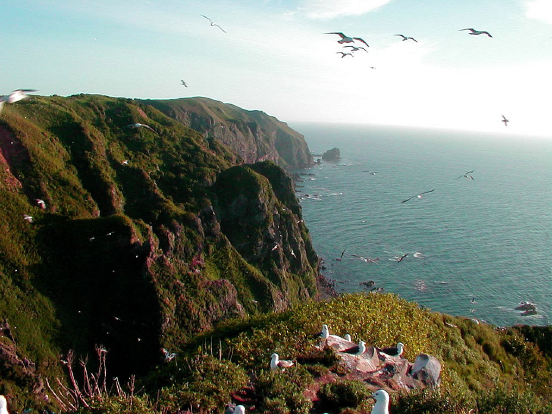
476	248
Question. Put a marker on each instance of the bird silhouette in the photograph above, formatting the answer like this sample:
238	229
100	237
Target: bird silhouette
347	39
214	24
505	120
406	37
417	195
476	32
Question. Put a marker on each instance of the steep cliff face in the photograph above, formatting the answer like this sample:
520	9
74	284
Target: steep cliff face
141	239
253	135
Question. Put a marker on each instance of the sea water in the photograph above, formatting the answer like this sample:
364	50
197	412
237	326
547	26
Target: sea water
476	247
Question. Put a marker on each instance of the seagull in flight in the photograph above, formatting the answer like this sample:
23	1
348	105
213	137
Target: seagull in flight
406	37
138	125
214	24
417	195
183	83
399	259
467	174
354	48
343	54
347	39
476	32
505	120
15	96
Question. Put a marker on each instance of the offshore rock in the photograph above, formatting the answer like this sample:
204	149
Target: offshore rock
332	155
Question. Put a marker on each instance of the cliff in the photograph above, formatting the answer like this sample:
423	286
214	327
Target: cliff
139	238
253	135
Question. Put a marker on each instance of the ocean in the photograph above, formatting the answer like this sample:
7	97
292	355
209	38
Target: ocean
476	247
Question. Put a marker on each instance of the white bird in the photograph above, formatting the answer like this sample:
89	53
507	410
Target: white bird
476	32
347	39
213	24
231	409
325	332
382	402
393	351
357	349
406	37
505	120
3	405
138	125
347	337
276	363
15	96
418	195
41	203
28	218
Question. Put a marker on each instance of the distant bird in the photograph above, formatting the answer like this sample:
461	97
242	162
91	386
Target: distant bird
183	83
402	257
394	351
505	120
406	37
125	162
382	402
15	96
41	203
476	32
169	356
347	337
343	54
138	125
355	49
417	195
325	332
3	405
347	39
28	218
467	174
213	24
341	257
238	409
276	362
357	349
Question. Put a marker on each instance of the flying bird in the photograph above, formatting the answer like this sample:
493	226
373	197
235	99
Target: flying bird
214	24
394	351
276	362
138	125
15	96
505	120
382	402
341	257
417	195
347	39
355	49
41	203
467	174
406	37
476	32
28	218
343	54
401	258
183	83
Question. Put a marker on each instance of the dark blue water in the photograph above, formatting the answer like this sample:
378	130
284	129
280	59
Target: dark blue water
476	248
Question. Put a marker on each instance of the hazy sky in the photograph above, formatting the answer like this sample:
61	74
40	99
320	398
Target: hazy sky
276	57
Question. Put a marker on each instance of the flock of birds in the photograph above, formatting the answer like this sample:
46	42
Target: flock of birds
381	396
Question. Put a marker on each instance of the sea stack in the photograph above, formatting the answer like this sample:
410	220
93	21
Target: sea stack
332	155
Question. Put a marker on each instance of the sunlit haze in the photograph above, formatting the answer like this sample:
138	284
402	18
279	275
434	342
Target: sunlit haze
275	56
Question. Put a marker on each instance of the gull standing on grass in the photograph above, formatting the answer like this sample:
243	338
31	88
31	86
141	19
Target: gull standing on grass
382	402
276	362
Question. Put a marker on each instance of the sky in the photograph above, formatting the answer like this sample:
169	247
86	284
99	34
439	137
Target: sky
277	56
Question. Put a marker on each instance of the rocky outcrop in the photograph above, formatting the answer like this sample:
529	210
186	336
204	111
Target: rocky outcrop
332	155
253	135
